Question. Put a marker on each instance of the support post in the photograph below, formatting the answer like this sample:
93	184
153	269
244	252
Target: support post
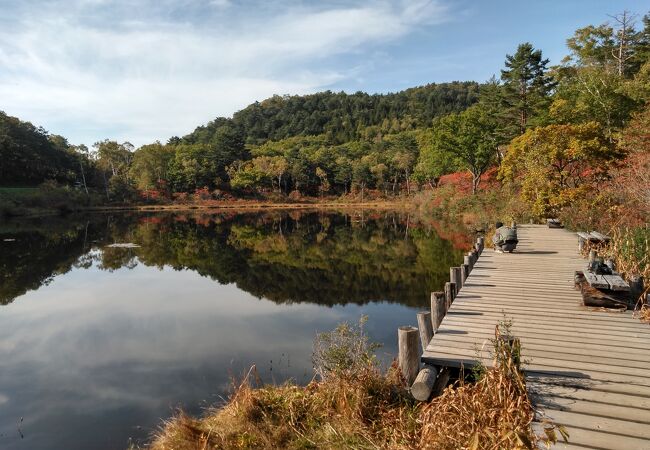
423	384
426	328
581	244
509	348
408	356
455	276
450	293
438	309
636	288
481	242
593	254
464	272
467	260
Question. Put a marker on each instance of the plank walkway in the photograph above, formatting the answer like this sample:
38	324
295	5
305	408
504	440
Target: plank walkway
587	369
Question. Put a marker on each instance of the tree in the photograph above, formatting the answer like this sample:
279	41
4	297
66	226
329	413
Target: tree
527	85
324	184
558	164
150	166
433	161
587	94
471	137
361	175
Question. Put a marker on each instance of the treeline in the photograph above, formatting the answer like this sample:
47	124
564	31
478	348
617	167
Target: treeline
223	154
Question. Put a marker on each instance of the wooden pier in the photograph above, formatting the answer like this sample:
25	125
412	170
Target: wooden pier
587	369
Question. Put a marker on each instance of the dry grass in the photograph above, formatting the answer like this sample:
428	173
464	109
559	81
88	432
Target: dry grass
367	410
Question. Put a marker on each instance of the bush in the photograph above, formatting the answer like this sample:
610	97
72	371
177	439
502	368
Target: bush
346	351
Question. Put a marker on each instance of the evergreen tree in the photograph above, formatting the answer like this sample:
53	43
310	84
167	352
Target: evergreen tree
527	86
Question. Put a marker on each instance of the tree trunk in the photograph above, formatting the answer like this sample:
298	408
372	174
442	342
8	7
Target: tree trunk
476	179
83	176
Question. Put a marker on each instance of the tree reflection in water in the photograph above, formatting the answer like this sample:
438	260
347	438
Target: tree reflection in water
285	256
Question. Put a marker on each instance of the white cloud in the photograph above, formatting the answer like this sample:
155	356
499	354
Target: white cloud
147	73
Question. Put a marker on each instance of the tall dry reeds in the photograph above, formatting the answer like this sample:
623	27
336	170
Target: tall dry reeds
366	409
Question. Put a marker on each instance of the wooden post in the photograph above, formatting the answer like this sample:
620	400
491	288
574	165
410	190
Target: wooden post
581	244
423	384
408	356
456	277
509	347
593	254
426	328
450	293
441	383
438	309
467	261
481	242
636	288
464	272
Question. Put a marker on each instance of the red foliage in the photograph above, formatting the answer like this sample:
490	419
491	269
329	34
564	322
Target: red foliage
462	181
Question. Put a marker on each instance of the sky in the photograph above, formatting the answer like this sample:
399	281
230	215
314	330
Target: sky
146	70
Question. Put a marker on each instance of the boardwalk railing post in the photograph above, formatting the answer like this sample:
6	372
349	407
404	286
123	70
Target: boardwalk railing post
456	277
408	356
438	309
423	384
464	272
426	328
481	243
450	293
467	260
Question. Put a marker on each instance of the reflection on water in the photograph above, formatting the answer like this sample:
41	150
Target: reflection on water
97	343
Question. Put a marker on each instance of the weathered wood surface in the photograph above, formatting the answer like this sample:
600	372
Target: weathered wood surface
597	281
587	369
616	283
407	356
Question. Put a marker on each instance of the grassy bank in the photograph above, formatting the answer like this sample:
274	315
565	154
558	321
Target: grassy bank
353	404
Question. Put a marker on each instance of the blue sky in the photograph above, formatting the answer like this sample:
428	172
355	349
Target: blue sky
142	70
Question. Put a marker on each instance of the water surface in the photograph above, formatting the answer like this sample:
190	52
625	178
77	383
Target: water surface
97	344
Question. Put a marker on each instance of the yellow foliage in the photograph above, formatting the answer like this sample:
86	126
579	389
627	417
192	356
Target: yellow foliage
558	164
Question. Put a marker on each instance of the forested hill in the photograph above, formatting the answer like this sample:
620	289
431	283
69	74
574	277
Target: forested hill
343	117
29	155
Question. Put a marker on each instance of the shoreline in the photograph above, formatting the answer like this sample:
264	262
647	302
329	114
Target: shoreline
253	206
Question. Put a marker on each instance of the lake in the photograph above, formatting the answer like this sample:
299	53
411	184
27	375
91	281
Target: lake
98	344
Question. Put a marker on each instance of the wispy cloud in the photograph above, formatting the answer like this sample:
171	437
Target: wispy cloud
91	69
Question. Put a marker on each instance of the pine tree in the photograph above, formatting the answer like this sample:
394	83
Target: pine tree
527	85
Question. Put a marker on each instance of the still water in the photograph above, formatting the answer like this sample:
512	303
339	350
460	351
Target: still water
97	344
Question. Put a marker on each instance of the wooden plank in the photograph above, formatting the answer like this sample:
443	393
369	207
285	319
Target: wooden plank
531	349
594	348
603	424
584	235
545	401
617	283
597	386
591	394
601	237
615	342
597	281
636	375
596	439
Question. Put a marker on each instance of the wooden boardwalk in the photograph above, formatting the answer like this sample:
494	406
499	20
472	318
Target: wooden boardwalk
587	369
